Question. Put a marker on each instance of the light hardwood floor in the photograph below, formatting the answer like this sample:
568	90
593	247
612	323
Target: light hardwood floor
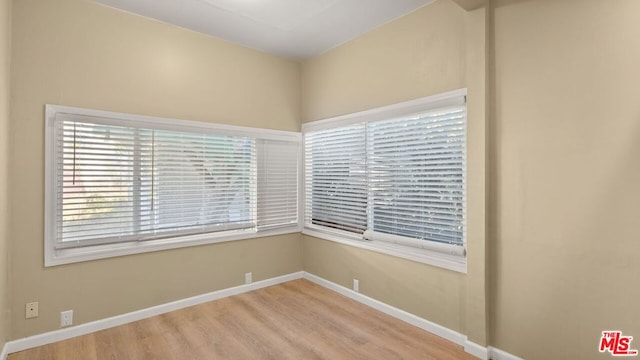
295	320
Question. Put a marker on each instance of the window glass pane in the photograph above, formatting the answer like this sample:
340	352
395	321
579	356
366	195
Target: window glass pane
200	182
120	183
95	181
278	181
416	169
398	178
336	184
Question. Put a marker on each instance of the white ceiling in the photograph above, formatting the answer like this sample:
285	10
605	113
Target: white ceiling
289	28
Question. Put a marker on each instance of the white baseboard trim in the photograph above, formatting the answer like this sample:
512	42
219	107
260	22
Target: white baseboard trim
497	354
479	351
87	328
4	352
414	320
470	347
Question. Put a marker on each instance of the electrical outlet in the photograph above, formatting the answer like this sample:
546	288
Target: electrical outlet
248	278
66	318
31	310
356	285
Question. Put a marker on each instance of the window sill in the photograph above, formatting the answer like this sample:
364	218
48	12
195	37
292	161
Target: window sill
445	261
74	255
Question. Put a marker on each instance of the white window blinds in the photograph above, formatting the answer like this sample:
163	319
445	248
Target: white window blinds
336	179
278	163
199	182
118	183
117	180
416	168
400	180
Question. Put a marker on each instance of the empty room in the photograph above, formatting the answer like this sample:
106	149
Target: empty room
319	179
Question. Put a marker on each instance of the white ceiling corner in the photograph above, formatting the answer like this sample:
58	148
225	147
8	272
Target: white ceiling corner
288	28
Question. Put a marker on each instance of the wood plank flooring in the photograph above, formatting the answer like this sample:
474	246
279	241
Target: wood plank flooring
295	320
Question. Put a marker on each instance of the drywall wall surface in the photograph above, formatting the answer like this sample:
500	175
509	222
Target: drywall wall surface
420	54
428	292
5	100
79	53
566	251
438	48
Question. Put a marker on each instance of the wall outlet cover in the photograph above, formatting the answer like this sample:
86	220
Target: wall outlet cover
31	310
66	318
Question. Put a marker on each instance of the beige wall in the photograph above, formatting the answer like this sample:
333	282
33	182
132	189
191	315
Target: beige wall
566	257
5	59
420	54
79	53
563	132
438	48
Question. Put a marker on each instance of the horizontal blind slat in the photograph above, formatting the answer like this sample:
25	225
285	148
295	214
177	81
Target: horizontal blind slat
336	185
408	158
115	181
278	186
404	176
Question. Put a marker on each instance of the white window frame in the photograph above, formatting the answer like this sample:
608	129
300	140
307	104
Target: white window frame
448	261
53	256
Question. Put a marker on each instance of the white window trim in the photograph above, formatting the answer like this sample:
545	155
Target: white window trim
446	261
53	256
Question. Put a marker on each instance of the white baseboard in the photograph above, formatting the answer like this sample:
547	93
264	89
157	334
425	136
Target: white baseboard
83	329
497	354
451	335
479	351
470	347
414	320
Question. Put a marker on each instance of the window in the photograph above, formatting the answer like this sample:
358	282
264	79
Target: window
391	179
336	179
119	184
